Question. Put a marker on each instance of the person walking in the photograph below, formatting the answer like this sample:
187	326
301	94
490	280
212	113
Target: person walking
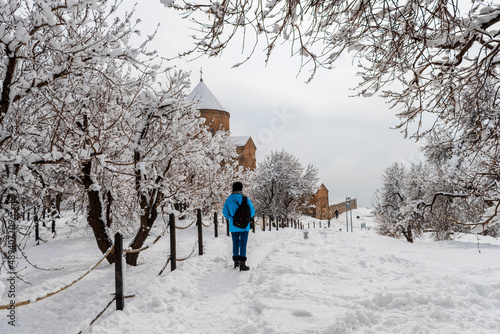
238	234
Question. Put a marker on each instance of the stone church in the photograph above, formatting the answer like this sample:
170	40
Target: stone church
217	118
319	205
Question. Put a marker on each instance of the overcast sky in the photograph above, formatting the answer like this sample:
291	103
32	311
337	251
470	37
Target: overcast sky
349	139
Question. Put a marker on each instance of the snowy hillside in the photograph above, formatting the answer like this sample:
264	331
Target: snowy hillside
333	282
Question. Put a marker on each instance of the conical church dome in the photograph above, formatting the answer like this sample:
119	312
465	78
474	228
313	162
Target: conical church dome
215	115
217	119
204	97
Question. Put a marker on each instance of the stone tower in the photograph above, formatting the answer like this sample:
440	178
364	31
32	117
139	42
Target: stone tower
215	115
217	119
322	204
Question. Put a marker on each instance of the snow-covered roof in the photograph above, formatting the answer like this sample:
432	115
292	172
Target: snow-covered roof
239	140
205	98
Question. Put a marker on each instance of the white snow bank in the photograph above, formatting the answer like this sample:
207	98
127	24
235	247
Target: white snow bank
332	282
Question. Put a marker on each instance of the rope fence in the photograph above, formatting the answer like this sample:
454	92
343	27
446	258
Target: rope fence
187	257
104	310
185	227
172	258
26	302
145	247
206	225
164	267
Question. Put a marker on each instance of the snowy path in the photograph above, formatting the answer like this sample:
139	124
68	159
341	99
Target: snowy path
333	282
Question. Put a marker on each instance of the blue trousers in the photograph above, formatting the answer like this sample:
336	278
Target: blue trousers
240	243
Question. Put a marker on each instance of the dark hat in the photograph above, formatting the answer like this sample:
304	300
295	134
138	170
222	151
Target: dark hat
237	186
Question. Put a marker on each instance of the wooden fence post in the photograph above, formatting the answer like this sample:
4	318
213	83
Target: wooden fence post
277	223
120	300
53	228
37	231
200	232
173	255
263	222
216	230
270	223
227	226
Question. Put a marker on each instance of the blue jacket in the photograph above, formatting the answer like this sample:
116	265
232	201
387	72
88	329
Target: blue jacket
230	206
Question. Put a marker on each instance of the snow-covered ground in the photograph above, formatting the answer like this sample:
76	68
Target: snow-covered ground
333	282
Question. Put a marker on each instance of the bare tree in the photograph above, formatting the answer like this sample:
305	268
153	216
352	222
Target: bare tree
435	50
388	200
427	196
174	156
81	111
434	58
58	83
280	182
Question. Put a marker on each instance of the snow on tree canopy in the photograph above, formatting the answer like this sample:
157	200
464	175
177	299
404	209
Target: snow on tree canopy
205	98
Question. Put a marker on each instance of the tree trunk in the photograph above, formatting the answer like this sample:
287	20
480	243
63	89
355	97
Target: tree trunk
148	217
5	99
109	198
59	197
149	200
95	213
408	235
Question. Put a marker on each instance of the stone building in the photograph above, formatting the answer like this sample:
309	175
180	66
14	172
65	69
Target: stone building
320	207
321	202
340	207
245	148
217	118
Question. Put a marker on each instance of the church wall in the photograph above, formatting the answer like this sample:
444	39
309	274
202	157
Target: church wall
318	206
247	156
321	200
216	119
341	207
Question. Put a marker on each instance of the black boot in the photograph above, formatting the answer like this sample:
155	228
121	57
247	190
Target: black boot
243	266
236	260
